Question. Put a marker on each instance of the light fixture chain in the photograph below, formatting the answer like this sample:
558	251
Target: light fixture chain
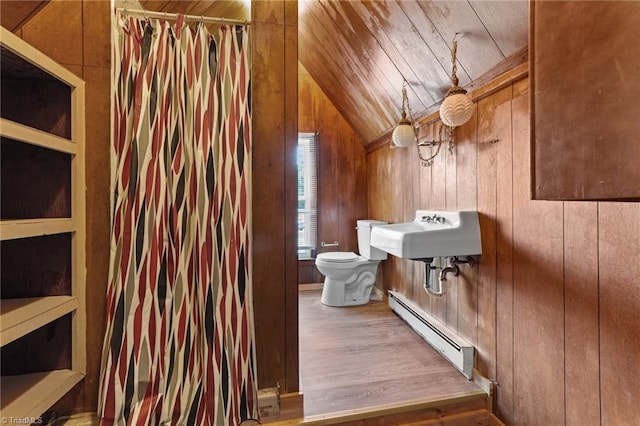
454	66
406	107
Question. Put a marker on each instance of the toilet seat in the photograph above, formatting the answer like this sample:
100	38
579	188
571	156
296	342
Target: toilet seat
338	257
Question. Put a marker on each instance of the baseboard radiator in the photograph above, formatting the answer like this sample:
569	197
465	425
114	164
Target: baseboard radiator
453	348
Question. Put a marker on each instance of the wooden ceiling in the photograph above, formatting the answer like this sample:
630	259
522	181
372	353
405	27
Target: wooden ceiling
360	52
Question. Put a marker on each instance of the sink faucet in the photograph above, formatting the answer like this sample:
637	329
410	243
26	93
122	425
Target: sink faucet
428	219
433	219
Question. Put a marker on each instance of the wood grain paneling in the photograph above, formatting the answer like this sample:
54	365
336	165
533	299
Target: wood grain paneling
308	273
34	182
291	198
553	305
503	132
504	23
389	20
35	267
475	57
467	199
269	201
97	160
491	122
538	295
581	314
411	196
47	348
274	199
438	201
619	290
57	31
96	21
17	13
451	203
341	164
21	102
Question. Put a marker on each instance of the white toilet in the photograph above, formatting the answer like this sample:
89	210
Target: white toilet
349	278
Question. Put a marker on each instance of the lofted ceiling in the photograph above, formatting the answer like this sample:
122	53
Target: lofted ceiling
361	52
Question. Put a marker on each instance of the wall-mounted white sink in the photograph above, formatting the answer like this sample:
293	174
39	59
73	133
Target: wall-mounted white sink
431	234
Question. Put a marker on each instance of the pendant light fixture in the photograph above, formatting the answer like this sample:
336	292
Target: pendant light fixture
457	107
456	110
404	134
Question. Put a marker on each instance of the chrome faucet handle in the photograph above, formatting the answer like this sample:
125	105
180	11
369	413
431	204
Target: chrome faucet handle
433	219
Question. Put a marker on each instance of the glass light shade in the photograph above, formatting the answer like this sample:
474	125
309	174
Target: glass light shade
456	109
403	135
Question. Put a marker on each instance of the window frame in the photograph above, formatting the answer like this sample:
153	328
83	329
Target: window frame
308	215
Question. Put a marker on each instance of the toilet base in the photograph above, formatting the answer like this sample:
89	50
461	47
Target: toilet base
338	293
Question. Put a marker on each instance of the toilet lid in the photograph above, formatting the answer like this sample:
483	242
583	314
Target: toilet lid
338	256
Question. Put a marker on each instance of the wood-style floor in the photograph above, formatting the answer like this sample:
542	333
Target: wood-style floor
365	356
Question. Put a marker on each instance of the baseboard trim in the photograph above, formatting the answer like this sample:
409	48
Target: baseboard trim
381	410
291	407
308	287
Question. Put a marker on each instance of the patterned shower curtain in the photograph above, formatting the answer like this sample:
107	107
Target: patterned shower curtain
179	343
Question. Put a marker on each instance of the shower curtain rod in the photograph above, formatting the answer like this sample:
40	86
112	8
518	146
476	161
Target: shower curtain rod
166	15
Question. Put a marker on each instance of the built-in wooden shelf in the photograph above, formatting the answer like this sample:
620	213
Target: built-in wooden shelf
25	228
22	133
42	126
30	395
21	316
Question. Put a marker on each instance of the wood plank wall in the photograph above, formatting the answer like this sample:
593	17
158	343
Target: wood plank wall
77	35
275	135
13	16
342	176
553	308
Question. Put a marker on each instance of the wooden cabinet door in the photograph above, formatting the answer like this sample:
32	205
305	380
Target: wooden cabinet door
585	100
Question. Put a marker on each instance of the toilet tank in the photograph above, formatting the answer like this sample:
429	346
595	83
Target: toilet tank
364	234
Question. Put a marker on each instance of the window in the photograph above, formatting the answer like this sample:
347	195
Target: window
307	195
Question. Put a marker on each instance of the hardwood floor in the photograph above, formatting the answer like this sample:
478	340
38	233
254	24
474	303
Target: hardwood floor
365	356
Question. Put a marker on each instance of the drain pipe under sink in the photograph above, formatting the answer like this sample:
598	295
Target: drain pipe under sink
433	280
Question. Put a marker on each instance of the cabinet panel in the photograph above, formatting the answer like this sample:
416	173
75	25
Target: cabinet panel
584	61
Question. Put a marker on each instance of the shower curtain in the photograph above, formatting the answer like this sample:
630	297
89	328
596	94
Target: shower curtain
179	343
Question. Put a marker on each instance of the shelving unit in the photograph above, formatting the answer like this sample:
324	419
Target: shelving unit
42	230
